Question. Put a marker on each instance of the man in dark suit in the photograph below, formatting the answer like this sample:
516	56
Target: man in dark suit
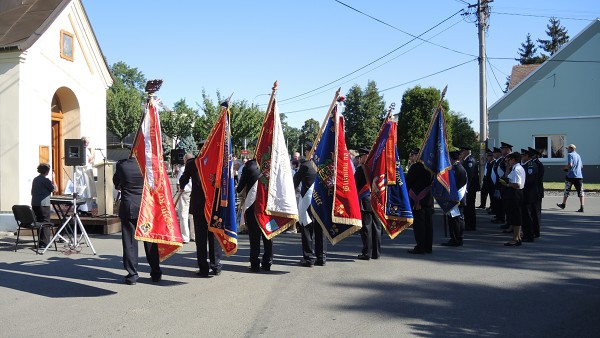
530	194
470	165
418	184
486	178
314	247
197	202
250	175
129	180
456	224
370	233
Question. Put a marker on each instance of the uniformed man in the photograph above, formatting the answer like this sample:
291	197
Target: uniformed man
370	233
489	155
418	184
537	217
314	247
456	224
470	165
530	194
493	193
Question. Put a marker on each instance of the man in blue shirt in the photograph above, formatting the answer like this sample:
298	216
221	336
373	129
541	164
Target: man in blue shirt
574	176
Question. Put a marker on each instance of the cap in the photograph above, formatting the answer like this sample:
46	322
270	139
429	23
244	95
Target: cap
308	145
497	150
414	151
465	148
505	145
363	151
454	154
534	152
489	151
525	152
572	146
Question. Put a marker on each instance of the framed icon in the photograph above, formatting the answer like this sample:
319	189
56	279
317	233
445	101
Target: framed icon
66	45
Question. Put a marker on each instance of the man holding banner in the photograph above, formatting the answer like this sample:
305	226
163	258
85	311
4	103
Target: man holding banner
370	233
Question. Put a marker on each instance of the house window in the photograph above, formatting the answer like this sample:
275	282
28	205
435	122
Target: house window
551	146
66	45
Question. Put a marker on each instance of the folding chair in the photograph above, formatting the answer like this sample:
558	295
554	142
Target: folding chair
26	220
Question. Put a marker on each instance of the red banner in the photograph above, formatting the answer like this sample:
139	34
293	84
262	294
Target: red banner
157	221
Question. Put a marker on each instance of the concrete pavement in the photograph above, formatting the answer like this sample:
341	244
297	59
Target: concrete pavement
550	288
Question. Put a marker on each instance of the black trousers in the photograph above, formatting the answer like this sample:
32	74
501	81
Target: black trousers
470	217
314	246
204	237
370	234
484	195
130	251
42	214
529	209
456	226
537	218
255	234
423	229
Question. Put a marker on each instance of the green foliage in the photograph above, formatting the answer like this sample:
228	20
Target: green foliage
125	100
528	52
365	111
291	135
308	132
558	36
416	112
177	124
462	133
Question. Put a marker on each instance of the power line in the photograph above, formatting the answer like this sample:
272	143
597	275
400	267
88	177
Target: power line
372	62
542	16
400	30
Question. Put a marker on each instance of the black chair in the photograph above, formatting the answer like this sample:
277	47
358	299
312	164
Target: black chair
26	220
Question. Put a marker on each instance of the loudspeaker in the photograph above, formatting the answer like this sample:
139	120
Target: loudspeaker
177	156
75	152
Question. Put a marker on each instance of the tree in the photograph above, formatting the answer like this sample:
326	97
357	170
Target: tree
130	77
557	38
175	124
462	133
364	114
291	135
527	52
308	132
418	105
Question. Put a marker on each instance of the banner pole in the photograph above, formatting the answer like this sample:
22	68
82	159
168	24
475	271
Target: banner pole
318	138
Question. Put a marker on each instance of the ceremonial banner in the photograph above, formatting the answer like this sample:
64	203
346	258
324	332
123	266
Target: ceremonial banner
215	170
335	199
275	204
434	156
157	221
389	197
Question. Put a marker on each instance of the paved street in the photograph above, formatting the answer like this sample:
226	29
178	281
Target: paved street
550	288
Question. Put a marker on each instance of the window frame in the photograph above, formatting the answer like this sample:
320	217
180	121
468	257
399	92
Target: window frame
550	146
67	46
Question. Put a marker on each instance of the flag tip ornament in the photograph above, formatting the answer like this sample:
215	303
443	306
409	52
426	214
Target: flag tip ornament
153	86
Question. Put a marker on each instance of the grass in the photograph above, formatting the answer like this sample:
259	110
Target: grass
561	185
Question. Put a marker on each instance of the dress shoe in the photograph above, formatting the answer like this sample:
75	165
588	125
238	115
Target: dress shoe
416	251
130	282
513	243
202	274
363	257
580	209
306	263
374	257
451	243
253	269
157	278
215	272
528	239
266	268
560	205
481	207
320	262
507	231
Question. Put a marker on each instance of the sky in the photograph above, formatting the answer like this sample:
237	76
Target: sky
314	47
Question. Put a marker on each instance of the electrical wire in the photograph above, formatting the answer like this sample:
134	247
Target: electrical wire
542	16
494	74
370	63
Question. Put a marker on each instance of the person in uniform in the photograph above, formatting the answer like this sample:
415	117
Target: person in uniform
203	236
530	194
370	233
418	183
248	179
514	182
129	180
470	165
493	193
314	247
489	155
501	173
537	216
456	224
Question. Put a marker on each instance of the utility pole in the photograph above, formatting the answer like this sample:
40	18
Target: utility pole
483	13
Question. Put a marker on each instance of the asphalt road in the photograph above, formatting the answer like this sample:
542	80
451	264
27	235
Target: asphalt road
550	288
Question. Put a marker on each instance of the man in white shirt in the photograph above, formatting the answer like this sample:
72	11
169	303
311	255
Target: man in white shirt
183	207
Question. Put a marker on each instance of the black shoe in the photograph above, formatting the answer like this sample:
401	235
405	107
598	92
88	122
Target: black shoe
513	243
528	239
41	246
202	274
504	226
253	269
320	262
580	209
215	272
305	263
560	205
156	279
428	251
266	268
416	251
363	257
481	207
130	282
451	243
